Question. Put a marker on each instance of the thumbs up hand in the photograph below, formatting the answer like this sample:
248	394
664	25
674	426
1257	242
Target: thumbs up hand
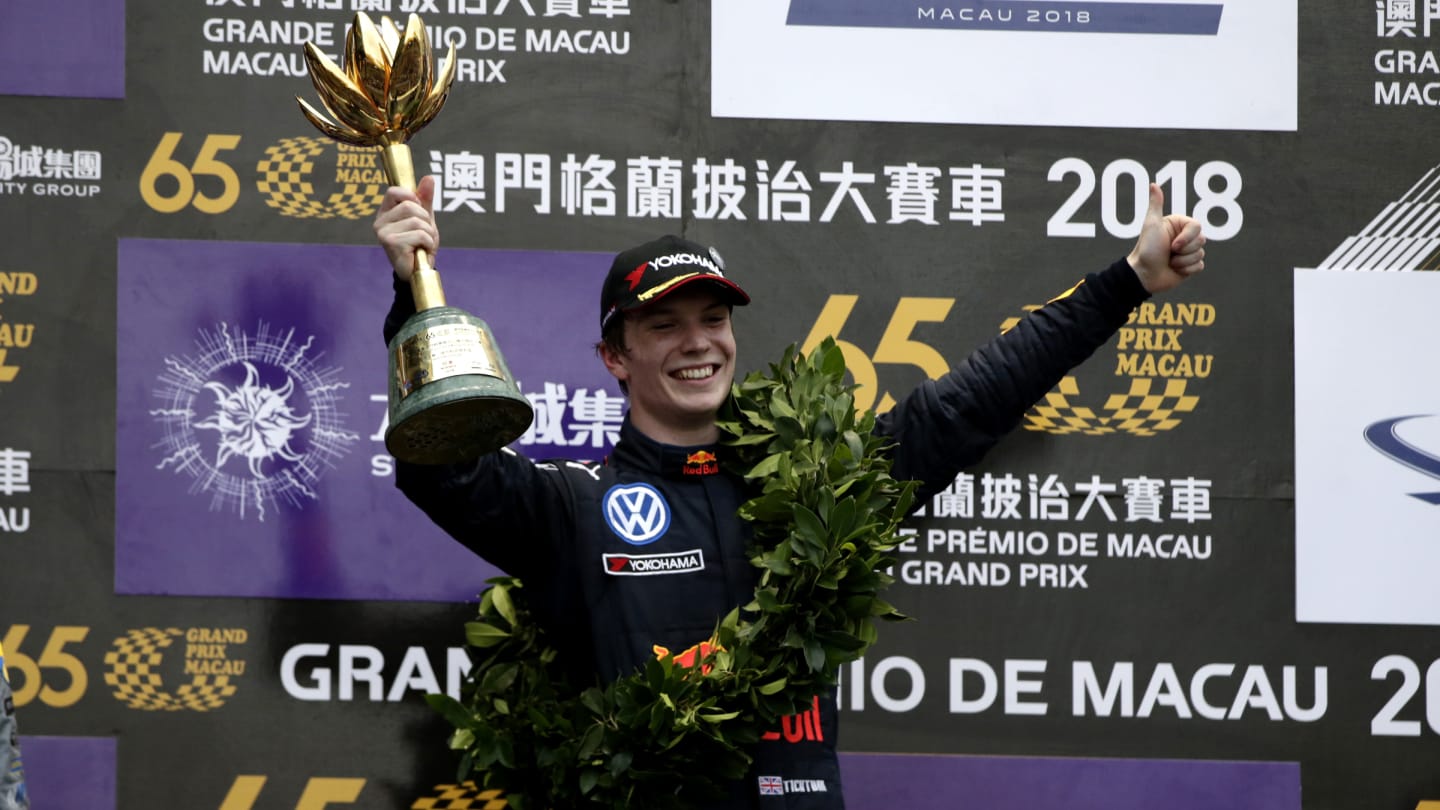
1170	249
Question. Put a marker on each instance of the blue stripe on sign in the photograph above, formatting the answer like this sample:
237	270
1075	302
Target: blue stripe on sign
935	782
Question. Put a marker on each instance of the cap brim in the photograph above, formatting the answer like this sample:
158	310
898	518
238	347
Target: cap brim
728	289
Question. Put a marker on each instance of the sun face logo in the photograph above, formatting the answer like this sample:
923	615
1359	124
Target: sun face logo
253	420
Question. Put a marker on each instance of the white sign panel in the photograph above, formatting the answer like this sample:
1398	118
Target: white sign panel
1097	63
1367	447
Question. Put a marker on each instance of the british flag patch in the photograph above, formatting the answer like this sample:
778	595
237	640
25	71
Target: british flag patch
771	786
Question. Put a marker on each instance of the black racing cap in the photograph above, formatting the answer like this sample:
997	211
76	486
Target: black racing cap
645	274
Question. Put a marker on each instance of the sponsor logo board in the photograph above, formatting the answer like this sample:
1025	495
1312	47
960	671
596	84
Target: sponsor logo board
1367	534
1367	440
1015	63
251	415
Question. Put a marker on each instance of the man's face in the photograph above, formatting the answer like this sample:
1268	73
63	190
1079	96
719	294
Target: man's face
679	362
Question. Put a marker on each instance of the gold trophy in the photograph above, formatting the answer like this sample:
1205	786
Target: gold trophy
451	396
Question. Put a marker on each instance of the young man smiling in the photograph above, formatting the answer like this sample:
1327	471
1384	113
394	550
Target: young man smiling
645	552
668	340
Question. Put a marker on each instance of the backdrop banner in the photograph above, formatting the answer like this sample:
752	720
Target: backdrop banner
1200	571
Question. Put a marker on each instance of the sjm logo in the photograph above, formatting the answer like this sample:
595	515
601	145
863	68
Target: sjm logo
1385	438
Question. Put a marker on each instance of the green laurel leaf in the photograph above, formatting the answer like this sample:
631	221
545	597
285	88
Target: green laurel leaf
482	635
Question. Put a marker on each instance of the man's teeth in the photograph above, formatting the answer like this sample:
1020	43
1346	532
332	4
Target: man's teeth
695	373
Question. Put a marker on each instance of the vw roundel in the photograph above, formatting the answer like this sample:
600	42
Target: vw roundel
636	513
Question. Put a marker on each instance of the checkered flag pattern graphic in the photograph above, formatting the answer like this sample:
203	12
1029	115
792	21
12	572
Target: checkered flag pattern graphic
285	181
206	692
1144	413
132	671
1141	411
464	796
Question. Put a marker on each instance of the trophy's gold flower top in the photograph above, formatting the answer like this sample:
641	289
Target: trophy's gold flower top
387	90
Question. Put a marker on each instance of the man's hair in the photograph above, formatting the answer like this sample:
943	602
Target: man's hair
613	337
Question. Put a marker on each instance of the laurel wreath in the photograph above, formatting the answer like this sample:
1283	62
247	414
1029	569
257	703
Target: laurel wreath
824	519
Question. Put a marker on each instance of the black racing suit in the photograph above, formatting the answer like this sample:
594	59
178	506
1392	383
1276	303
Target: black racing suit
645	550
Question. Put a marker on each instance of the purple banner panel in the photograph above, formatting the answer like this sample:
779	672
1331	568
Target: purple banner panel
929	782
1105	17
250	414
72	48
63	772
